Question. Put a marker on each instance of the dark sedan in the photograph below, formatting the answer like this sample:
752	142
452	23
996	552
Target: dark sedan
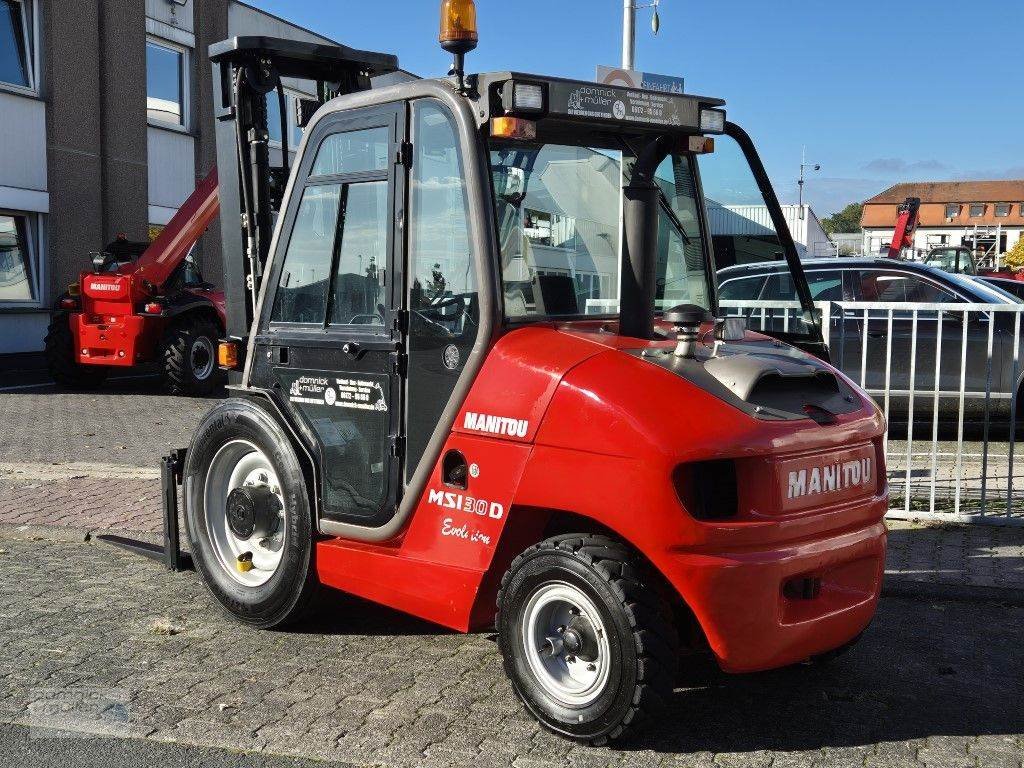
890	334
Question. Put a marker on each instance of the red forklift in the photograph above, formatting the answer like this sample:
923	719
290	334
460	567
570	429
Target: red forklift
550	430
143	303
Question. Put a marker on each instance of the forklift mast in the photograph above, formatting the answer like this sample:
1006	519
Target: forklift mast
906	225
246	72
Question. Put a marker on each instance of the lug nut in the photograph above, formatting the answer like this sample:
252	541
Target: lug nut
591	667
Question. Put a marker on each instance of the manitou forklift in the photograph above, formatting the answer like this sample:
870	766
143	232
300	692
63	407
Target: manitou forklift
478	373
144	303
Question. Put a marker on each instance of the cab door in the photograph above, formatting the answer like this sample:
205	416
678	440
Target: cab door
328	344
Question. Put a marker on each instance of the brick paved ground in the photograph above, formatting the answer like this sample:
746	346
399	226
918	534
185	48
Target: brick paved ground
933	682
133	423
86	625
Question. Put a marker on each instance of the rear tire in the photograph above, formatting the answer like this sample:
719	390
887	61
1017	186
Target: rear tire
189	354
62	357
585	637
240	444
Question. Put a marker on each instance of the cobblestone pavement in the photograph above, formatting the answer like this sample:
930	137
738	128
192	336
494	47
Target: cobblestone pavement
116	646
130	423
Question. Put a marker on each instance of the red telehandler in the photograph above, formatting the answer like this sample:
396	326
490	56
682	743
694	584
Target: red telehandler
142	304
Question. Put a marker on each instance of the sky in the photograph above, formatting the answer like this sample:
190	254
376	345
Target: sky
878	91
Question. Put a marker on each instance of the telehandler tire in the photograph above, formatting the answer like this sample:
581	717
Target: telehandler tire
248	516
585	638
188	352
62	357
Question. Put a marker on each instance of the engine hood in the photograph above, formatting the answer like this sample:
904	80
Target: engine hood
762	377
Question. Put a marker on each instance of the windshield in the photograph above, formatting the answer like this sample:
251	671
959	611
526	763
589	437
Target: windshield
558	210
952	260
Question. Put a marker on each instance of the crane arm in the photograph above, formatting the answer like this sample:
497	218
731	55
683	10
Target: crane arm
906	224
173	244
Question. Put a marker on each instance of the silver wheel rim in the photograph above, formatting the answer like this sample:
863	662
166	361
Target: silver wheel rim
240	463
201	358
555	615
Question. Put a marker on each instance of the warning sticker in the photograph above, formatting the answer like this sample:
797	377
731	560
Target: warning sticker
597	101
360	394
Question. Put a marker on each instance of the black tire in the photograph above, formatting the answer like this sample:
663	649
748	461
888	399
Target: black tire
62	357
642	643
182	342
289	591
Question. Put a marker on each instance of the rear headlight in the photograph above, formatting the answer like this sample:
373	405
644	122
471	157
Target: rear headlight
523	98
707	489
712	121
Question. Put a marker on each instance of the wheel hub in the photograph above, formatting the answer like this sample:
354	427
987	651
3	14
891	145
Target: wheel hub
566	645
253	510
202	358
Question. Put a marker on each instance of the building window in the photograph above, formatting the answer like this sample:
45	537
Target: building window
977	210
166	84
17	38
19	280
952	210
1002	210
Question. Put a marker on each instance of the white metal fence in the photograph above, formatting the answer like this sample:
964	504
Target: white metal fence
948	377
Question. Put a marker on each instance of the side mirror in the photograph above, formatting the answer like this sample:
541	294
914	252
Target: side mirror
731	329
510	184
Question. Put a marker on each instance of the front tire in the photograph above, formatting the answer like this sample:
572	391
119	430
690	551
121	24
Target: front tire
585	637
248	516
62	357
189	354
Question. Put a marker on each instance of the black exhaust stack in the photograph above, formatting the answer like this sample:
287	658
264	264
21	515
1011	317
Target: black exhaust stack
640	205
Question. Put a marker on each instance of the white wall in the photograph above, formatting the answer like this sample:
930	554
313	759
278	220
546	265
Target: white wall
22	153
172	172
811	239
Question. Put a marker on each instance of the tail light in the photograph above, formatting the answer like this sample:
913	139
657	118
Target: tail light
707	489
69	302
153	308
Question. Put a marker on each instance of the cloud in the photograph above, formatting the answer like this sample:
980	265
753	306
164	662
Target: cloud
888	166
1009	172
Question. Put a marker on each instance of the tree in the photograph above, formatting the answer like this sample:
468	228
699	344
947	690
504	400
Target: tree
1015	258
847	220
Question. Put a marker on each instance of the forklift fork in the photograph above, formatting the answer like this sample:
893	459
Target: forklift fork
171	467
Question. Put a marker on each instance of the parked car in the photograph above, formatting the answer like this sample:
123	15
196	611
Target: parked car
1013	287
881	281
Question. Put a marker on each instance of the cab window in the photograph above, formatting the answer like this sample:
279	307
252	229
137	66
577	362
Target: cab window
335	267
743	232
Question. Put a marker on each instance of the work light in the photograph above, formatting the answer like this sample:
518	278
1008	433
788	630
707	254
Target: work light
519	97
712	121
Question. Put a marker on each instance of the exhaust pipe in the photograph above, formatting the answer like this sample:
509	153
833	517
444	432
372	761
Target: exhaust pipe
640	243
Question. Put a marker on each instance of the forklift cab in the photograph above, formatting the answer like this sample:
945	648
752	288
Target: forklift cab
421	222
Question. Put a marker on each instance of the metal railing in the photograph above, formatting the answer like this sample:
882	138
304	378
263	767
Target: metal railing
948	378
